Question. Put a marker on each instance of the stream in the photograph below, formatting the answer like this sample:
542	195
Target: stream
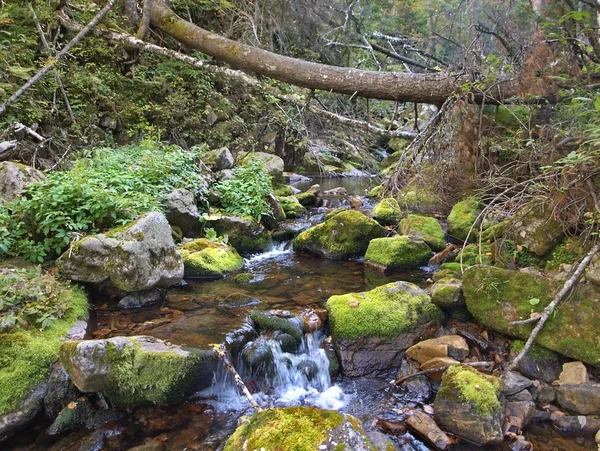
205	312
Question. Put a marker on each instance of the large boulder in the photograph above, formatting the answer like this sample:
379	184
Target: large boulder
469	405
397	252
134	257
462	218
245	234
372	329
137	370
204	258
301	428
219	159
496	297
345	235
272	163
181	210
580	399
14	177
425	228
387	211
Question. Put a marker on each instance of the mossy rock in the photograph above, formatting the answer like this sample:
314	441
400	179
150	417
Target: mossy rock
292	208
452	266
204	258
447	293
243	278
425	228
14	178
445	273
266	321
376	192
387	211
397	252
464	218
472	254
414	197
307	199
334	212
137	370
469	404
283	190
244	233
495	231
299	429
496	297
345	235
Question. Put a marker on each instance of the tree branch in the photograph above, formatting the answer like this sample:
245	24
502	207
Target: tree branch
437	369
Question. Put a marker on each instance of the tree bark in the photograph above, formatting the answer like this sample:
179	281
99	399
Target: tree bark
404	87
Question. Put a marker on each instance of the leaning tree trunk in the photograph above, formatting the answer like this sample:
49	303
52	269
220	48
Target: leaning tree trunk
405	87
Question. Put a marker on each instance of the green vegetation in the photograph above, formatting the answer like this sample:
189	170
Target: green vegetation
471	386
398	252
462	217
40	322
112	186
428	229
387	211
292	207
204	258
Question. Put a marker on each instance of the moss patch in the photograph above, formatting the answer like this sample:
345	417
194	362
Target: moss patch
387	211
283	190
386	311
270	322
472	255
428	229
203	258
471	386
462	217
398	252
287	429
291	207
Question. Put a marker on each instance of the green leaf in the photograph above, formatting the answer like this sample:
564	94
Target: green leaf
534	301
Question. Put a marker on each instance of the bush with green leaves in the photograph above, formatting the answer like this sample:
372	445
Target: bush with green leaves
245	193
110	187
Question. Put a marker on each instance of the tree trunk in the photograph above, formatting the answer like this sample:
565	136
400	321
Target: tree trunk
403	87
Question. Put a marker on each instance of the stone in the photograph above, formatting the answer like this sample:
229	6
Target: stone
468	405
371	330
523	395
257	357
580	399
417	388
496	297
277	209
355	202
219	159
291	207
447	293
238	300
573	373
592	272
519	414
271	163
208	259
135	257
387	211
463	218
577	426
137	370
538	363
307	199
513	382
397	252
181	210
79	414
339	191
14	178
268	322
425	427
438	362
453	346
345	235
139	299
294	428
245	234
311	321
427	229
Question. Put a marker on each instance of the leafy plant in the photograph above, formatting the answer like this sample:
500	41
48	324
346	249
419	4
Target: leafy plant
211	235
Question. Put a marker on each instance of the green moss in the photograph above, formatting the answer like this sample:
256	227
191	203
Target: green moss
306	199
537	352
202	258
291	207
283	190
472	255
418	198
26	355
286	429
567	252
387	211
446	274
428	229
386	311
398	252
270	322
446	293
452	266
462	217
244	277
495	231
332	213
376	192
473	387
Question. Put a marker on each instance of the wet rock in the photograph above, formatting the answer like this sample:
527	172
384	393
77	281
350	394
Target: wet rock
307	199
257	357
345	235
246	235
447	293
243	278
518	415
339	191
453	346
520	444
219	159
272	163
427	229
181	210
513	382
462	218
438	362
539	363
205	258
150	444
573	373
425	427
496	297
268	322
81	413
292	428
581	399
134	257
468	405
545	394
387	211
139	299
577	426
60	390
417	387
14	178
397	252
355	202
311	322
236	340
287	342
137	370
237	300
392	427
276	208
12	422
372	329
291	207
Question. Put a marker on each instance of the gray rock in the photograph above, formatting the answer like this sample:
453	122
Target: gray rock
577	426
135	257
519	414
339	191
272	163
581	399
139	299
219	159
513	382
424	425
246	235
544	366
417	388
592	272
14	177
78	331
181	210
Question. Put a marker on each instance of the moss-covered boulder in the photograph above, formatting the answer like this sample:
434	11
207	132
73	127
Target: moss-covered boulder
307	199
496	297
463	217
345	235
372	329
447	293
469	404
245	234
205	258
268	322
219	159
283	190
14	178
137	370
536	228
473	254
428	229
387	211
292	208
376	191
272	163
300	429
134	257
397	252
